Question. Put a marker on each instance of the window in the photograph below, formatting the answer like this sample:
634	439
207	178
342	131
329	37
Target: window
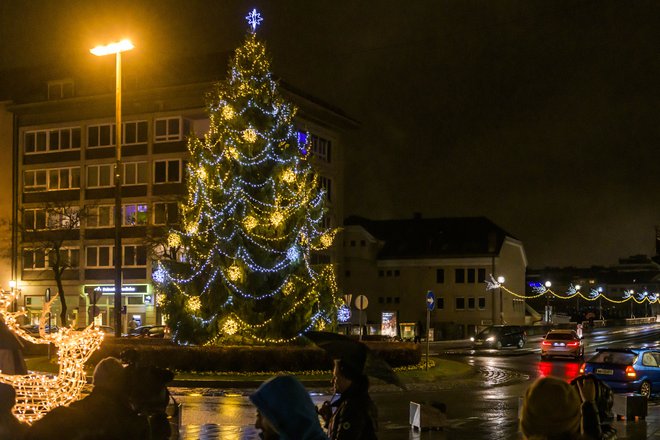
100	176
470	276
135	173
381	273
170	129
34	180
42	141
52	179
101	216
325	183
101	135
134	214
397	273
63	178
135	132
460	303
389	273
60	89
397	299
34	259
135	256
482	303
352	243
167	171
381	300
34	219
69	257
471	303
67	218
166	213
363	243
389	300
459	276
439	276
439	303
481	275
321	148
99	256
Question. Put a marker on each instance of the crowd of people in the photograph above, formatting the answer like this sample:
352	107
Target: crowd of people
128	401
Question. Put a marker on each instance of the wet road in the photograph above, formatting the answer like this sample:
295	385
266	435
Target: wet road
481	407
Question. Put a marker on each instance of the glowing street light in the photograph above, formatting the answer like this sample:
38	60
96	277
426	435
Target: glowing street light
500	281
117	48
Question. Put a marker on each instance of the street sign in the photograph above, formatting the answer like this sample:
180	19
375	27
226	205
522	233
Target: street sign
361	302
430	300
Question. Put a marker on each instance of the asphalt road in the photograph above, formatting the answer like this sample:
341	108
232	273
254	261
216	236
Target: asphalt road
484	406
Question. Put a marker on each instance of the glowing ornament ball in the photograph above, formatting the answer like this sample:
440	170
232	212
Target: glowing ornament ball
230	327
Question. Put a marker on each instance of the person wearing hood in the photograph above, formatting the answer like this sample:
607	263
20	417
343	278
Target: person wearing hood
355	416
285	411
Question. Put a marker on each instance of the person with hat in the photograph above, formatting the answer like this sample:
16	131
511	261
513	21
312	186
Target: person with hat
285	411
555	410
355	415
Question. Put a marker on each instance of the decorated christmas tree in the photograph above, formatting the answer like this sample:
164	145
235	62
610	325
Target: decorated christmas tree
252	219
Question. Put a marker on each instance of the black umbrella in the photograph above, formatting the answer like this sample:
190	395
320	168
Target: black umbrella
357	354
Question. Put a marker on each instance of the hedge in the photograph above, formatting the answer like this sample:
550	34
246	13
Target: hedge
247	358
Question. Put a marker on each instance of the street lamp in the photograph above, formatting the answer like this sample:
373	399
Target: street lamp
548	313
500	281
117	48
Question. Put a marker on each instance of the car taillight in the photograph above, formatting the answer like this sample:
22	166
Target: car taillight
546	343
573	344
582	367
630	371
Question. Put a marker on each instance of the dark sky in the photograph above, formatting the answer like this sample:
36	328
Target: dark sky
543	116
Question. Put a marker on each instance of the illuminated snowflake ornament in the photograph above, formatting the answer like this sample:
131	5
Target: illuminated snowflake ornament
343	313
254	19
293	253
230	327
159	275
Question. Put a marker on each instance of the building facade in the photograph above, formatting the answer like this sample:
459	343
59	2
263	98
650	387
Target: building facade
395	263
63	159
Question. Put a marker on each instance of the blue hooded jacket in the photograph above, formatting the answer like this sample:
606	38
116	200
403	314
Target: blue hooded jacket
284	401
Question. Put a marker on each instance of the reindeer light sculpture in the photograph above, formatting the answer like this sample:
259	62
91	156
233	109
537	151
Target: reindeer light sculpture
38	393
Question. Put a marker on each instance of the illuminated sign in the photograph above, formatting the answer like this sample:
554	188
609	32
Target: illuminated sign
388	323
127	288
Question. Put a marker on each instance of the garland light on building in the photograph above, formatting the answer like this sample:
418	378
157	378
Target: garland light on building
252	219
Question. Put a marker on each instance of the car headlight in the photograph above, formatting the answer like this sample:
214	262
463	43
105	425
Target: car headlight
472	339
490	339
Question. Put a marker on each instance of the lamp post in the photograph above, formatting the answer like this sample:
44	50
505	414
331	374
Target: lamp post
500	281
12	288
548	314
117	48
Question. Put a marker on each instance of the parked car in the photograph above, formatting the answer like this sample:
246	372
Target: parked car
33	329
498	336
109	331
150	331
626	370
562	343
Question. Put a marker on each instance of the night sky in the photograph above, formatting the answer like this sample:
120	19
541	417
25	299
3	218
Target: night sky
543	116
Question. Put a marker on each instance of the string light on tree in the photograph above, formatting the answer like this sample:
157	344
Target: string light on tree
253	222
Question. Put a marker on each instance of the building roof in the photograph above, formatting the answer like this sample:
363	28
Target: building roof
434	237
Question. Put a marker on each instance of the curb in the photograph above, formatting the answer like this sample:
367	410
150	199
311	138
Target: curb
212	383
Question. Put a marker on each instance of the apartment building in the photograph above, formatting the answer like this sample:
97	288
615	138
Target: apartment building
63	157
394	263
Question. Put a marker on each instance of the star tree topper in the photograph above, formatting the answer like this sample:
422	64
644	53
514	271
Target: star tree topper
254	19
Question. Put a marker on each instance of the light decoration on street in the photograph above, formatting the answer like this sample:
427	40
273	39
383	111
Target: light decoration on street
574	291
36	393
252	224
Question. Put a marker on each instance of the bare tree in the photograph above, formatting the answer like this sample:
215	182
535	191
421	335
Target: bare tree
47	229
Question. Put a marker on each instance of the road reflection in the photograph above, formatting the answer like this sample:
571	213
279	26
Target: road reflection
566	370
